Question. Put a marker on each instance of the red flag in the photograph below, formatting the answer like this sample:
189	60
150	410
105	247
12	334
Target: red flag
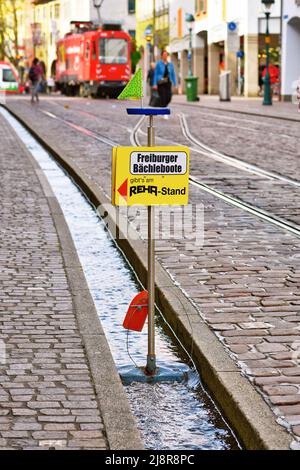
137	313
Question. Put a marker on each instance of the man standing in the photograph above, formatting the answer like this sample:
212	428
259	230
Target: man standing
36	75
164	78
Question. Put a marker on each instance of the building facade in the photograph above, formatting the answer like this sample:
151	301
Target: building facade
290	47
152	17
43	22
122	11
227	35
46	32
152	30
179	42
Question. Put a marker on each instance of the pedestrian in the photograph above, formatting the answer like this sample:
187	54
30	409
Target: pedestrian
260	79
150	76
50	85
298	93
154	96
36	76
164	78
274	77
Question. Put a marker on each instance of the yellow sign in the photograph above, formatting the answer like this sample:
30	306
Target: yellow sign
150	176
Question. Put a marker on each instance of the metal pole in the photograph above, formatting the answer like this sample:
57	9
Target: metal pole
190	73
98	6
154	30
267	93
98	14
281	43
151	358
239	77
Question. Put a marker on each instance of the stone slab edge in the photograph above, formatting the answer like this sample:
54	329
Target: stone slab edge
119	422
242	405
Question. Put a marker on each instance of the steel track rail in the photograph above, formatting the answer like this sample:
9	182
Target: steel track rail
233	161
266	216
253	210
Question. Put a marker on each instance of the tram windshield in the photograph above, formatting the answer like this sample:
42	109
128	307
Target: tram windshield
113	51
8	76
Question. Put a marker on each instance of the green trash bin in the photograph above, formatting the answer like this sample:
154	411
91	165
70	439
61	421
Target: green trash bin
192	88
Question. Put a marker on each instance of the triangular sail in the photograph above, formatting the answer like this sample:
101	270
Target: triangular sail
134	89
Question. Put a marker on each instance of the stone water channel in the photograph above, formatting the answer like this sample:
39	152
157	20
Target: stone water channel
170	416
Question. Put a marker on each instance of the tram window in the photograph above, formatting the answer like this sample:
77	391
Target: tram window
113	51
94	52
8	76
87	50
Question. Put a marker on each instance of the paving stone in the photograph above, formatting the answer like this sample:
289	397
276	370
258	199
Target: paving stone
91	427
292	419
60	419
255	325
281	390
250	355
240	348
45	357
249	332
26	426
285	400
59	427
88	419
54	435
14	434
264	372
296	430
271	347
88	443
289	409
292	371
23	412
86	434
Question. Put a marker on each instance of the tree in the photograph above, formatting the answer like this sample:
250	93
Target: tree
2	32
9	29
135	56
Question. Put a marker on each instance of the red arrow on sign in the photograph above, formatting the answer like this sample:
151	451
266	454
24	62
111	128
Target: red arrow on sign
123	189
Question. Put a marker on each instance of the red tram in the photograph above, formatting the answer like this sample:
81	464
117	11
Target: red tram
93	61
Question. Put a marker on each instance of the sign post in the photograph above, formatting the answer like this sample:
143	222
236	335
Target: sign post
151	358
150	176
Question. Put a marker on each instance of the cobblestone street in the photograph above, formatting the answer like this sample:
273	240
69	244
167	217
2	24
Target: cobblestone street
47	391
244	281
